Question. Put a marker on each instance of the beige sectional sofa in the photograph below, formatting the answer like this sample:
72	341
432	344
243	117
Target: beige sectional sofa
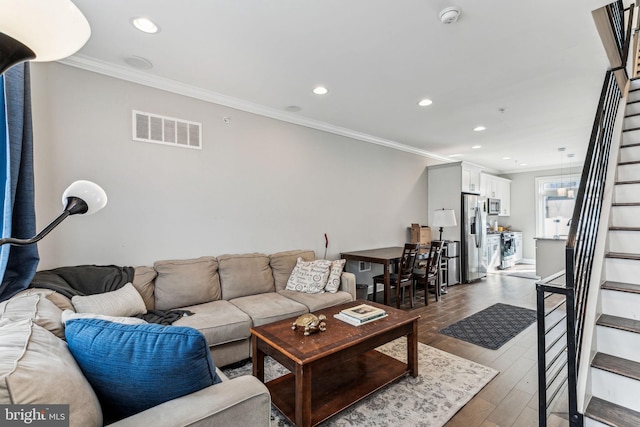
228	295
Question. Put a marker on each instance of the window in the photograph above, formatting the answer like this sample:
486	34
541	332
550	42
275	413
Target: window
555	199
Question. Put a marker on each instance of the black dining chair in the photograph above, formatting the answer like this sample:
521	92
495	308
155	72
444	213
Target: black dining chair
403	277
430	274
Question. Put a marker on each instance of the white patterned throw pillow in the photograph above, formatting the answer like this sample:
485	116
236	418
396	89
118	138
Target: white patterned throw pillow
333	283
309	276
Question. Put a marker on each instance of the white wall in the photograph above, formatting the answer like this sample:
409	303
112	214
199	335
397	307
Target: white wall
258	184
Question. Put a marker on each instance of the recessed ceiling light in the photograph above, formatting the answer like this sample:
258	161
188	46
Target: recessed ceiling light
475	147
424	102
455	155
479	128
145	25
320	90
506	158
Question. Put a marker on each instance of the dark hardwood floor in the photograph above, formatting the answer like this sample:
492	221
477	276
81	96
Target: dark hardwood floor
511	398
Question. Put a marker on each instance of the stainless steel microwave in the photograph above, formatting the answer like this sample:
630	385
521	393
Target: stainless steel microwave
493	206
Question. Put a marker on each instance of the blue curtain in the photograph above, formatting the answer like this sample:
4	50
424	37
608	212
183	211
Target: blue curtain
17	263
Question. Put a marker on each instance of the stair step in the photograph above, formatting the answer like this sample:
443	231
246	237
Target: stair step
626	204
628	170
631	129
621	255
629	138
627	182
611	414
634	162
621	323
634	95
613	330
631	121
614	302
621	287
617	365
624	228
630	154
625	215
632	102
635	144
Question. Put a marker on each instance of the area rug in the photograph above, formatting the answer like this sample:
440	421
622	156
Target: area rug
445	383
492	327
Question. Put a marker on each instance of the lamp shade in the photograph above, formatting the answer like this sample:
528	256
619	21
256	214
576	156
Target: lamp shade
443	218
89	192
52	29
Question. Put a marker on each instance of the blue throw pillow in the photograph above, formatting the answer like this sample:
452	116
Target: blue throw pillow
135	367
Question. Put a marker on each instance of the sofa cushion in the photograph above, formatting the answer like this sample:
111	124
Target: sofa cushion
282	264
36	307
246	274
309	276
335	275
316	302
62	302
269	307
136	367
143	281
36	368
219	321
186	282
125	301
70	315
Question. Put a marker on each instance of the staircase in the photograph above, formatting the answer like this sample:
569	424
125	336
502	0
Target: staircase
615	368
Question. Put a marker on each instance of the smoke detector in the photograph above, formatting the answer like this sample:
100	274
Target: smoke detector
450	15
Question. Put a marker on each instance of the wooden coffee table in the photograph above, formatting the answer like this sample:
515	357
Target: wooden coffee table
332	370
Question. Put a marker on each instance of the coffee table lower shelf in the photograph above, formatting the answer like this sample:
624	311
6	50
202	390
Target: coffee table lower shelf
336	388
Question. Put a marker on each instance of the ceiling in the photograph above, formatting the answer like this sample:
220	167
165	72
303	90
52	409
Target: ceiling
529	71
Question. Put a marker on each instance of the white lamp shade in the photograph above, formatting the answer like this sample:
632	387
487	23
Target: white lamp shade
92	194
52	29
443	218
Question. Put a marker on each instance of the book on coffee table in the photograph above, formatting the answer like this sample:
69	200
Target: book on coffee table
363	312
357	322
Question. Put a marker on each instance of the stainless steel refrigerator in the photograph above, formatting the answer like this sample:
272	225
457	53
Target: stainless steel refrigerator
474	237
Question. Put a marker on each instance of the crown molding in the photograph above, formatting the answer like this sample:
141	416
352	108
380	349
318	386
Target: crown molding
134	76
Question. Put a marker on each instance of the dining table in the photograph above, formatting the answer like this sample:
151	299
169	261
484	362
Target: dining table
384	256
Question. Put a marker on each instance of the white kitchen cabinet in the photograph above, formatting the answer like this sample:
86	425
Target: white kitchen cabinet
517	237
496	187
470	178
504	194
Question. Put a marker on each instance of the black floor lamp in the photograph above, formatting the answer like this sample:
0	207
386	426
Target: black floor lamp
40	30
47	30
81	197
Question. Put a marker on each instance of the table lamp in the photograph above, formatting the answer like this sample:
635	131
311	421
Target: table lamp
443	218
81	197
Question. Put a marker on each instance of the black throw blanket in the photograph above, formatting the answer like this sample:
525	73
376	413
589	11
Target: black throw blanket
83	279
164	317
96	279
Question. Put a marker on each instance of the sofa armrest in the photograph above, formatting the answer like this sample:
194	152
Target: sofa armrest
242	401
348	283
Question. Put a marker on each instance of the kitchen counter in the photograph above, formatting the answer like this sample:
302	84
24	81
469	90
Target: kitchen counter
550	255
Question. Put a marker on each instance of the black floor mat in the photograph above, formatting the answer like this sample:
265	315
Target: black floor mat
492	327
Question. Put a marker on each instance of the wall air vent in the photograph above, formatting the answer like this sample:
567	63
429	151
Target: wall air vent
164	130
